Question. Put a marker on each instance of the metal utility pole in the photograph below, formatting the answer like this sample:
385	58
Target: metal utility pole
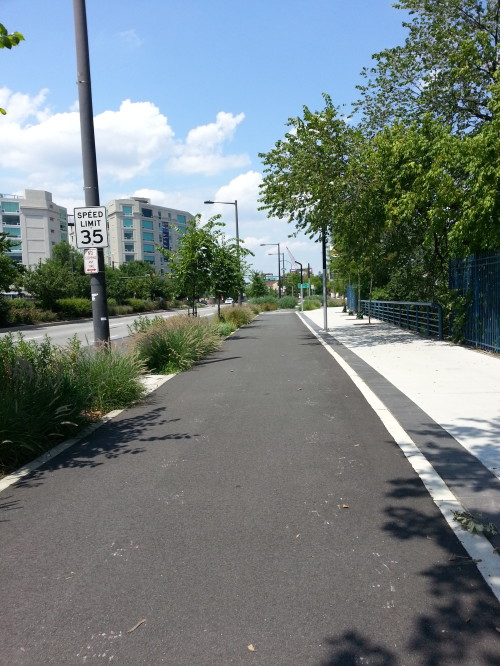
90	180
301	292
325	305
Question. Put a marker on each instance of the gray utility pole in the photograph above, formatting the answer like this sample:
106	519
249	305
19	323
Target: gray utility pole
325	306
90	181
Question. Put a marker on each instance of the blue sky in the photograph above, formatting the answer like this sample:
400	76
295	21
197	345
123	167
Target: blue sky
185	95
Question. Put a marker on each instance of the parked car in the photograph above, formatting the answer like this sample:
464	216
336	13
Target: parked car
229	301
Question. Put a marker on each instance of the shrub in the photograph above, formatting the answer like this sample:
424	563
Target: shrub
239	316
311	304
287	302
114	377
120	310
46	395
223	328
137	304
74	308
175	344
4	310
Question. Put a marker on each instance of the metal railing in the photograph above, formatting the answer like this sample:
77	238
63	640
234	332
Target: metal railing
423	318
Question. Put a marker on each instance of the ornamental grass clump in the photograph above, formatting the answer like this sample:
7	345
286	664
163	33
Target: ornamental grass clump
49	393
239	316
175	344
265	303
287	302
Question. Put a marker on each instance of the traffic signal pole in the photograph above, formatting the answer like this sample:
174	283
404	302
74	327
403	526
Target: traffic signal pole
90	180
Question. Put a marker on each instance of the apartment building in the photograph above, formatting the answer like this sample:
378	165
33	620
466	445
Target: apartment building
136	227
34	223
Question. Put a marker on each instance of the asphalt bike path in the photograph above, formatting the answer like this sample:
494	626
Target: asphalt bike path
252	510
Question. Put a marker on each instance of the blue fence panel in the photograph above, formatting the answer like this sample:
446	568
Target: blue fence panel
351	297
423	318
478	278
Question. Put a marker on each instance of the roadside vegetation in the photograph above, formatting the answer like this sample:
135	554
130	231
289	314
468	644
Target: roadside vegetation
406	183
46	397
45	388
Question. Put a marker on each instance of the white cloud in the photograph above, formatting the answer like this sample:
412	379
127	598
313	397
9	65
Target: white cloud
130	37
40	146
202	153
129	140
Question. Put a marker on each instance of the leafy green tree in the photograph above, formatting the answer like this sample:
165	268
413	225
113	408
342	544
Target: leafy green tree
227	279
257	286
304	172
445	67
137	279
191	263
7	41
8	272
291	282
48	282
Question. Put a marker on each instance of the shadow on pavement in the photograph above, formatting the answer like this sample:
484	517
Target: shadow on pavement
352	649
365	336
7	505
112	440
464	616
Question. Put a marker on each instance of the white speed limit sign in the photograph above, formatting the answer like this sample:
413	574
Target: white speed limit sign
90	227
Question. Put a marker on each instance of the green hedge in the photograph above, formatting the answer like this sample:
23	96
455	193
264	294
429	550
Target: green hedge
74	308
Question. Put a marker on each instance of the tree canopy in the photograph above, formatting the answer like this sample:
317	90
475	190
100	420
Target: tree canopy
415	182
445	67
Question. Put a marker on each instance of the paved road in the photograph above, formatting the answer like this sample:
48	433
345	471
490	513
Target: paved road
61	333
255	500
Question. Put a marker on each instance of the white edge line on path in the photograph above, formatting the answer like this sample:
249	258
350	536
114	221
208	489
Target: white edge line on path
477	546
151	383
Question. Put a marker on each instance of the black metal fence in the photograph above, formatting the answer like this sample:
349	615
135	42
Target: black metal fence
477	278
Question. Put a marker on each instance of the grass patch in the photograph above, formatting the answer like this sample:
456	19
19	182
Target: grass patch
46	396
238	316
175	344
287	302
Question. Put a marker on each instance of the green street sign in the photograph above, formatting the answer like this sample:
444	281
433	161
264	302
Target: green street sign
304	286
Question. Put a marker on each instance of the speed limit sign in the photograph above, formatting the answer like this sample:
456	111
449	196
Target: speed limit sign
90	227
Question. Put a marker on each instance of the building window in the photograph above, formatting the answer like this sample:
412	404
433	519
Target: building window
150	260
127	210
129	257
128	235
11	219
16	246
147	224
16	231
10	207
129	247
148	248
159	214
147	236
181	219
128	222
146	212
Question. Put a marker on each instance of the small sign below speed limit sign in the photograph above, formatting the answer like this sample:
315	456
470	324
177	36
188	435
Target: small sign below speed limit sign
91	229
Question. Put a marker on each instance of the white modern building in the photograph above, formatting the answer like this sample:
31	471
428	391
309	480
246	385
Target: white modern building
35	224
136	227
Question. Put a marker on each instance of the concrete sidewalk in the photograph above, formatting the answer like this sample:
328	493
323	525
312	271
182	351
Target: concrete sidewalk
445	398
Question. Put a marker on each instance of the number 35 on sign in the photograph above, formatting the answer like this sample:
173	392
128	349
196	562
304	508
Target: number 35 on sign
90	227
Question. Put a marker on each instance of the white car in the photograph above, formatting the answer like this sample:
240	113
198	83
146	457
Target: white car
229	301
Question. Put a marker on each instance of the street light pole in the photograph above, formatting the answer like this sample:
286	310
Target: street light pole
279	266
90	179
301	293
235	204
